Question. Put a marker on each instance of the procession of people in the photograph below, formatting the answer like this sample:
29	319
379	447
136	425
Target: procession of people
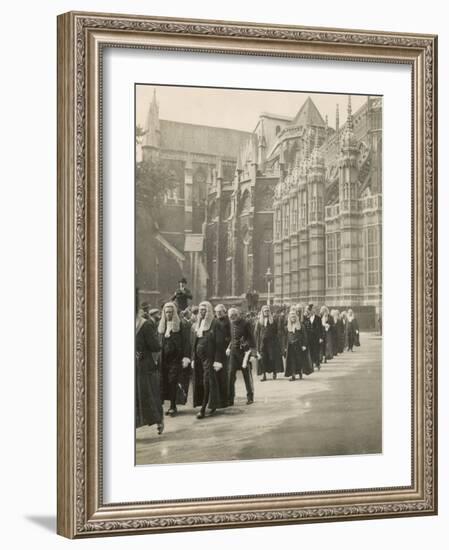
179	347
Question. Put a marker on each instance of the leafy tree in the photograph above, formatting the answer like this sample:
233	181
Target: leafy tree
153	181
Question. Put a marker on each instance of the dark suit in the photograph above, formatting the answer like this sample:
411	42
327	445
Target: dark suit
242	340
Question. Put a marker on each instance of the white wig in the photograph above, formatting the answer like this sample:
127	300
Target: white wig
176	320
207	319
291	327
261	317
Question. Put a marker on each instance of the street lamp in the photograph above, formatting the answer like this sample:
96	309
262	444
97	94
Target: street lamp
269	280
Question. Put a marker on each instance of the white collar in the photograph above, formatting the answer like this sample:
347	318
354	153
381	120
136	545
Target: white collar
168	328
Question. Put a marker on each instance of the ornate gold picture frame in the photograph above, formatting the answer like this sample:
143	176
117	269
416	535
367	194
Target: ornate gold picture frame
82	40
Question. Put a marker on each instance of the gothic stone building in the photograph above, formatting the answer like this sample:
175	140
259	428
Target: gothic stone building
196	158
294	197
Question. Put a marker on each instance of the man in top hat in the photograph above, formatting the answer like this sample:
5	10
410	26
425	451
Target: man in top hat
182	295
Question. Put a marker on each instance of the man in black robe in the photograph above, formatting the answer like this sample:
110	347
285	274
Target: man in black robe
148	397
208	358
269	353
222	316
352	330
175	357
241	346
314	334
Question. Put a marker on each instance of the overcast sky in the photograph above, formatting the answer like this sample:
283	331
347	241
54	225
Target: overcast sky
238	109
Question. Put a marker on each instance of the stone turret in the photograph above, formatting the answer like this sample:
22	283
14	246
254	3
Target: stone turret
261	147
350	260
152	139
316	234
348	188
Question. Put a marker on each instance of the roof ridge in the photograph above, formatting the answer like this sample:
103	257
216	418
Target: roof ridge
206	126
308	111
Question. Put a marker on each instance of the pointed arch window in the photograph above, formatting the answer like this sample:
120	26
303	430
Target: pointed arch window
372	255
333	263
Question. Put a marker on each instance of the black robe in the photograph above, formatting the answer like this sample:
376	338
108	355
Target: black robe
352	328
267	344
314	334
327	349
206	351
173	350
297	360
226	327
334	336
148	381
340	328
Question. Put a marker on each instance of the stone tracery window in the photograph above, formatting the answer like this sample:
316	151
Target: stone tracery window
372	255
333	264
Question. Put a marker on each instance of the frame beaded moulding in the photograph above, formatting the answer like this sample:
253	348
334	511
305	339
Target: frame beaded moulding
81	38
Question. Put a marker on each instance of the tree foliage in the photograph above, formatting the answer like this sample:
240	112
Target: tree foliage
153	181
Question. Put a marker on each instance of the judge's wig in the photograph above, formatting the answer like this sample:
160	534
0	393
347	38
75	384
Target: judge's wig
207	319
324	311
293	325
175	320
261	316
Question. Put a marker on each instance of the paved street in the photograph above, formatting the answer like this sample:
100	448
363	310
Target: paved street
333	411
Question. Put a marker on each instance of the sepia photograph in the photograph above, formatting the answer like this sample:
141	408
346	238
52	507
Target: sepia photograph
258	274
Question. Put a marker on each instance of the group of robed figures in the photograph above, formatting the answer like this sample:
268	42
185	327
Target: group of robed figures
173	350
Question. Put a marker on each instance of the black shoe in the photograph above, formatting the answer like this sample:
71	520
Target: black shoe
292	379
160	428
250	401
274	376
212	412
201	414
264	379
172	412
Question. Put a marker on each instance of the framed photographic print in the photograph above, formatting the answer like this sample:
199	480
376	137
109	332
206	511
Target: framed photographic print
246	274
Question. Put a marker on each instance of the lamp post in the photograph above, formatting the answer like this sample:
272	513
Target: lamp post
269	280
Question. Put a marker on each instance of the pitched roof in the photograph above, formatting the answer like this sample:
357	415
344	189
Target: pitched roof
308	115
196	138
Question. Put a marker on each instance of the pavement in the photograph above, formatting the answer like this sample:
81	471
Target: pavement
334	411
